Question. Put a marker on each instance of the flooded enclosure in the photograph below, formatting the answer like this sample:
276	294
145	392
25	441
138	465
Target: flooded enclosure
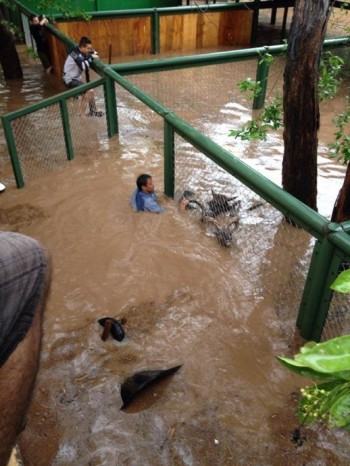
223	314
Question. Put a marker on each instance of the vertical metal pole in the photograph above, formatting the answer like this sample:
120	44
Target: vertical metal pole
169	159
262	74
11	145
66	129
255	23
317	294
111	106
155	46
284	23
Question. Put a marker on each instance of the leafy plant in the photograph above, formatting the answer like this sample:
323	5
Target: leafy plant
251	86
328	400
341	147
272	115
270	118
328	82
31	53
66	7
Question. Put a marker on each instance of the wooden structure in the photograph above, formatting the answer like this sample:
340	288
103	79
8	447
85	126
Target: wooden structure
129	36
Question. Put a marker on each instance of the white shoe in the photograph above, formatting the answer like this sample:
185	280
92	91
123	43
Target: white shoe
2	188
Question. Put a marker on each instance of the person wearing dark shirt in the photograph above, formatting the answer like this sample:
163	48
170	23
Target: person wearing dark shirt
38	33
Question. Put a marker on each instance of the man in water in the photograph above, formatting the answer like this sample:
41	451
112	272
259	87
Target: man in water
144	198
77	63
25	276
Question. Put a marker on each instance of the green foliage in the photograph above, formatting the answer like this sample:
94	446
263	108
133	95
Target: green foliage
329	400
31	53
329	363
342	282
329	82
272	116
340	149
251	86
65	7
270	119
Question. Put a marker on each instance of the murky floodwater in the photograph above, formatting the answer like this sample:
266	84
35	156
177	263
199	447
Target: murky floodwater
186	299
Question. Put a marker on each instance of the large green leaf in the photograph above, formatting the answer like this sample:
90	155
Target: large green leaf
342	282
305	371
332	356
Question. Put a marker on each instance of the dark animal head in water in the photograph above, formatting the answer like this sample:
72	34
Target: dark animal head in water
222	203
224	233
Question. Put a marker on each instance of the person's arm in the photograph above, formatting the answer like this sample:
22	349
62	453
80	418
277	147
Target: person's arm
83	61
43	21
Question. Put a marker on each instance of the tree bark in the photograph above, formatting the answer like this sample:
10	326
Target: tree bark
301	101
9	59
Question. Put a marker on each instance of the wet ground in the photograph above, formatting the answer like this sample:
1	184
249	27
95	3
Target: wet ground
186	300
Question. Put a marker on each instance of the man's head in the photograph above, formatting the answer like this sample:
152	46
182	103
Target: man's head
145	183
34	19
85	45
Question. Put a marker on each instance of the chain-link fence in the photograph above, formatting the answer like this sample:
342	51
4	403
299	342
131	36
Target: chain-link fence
274	254
40	137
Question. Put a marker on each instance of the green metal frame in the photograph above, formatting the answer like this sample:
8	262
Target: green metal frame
61	99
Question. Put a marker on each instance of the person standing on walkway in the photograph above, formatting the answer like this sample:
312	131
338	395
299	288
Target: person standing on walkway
77	63
42	48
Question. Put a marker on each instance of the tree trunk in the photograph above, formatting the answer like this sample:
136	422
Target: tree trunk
9	59
341	210
300	99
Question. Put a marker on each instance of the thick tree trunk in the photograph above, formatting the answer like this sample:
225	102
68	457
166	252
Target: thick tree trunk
300	100
341	210
9	59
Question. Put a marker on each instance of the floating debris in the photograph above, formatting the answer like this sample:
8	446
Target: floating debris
112	326
133	385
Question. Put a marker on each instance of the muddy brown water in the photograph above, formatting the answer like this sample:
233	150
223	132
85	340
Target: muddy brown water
186	300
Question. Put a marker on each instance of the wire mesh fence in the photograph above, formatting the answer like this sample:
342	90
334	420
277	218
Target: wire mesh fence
40	139
274	255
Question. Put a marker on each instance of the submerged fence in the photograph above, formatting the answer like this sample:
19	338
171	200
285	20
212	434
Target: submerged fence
270	243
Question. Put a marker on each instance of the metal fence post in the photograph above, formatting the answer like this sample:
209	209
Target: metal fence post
66	129
262	74
11	145
169	159
111	106
317	294
155	32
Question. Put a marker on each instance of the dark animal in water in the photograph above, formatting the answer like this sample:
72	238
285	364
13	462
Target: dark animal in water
220	204
112	326
222	233
137	382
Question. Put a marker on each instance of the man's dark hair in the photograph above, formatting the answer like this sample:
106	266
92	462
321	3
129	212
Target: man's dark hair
84	41
31	17
142	180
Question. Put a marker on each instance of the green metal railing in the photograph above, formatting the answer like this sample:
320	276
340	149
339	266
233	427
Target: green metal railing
61	99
